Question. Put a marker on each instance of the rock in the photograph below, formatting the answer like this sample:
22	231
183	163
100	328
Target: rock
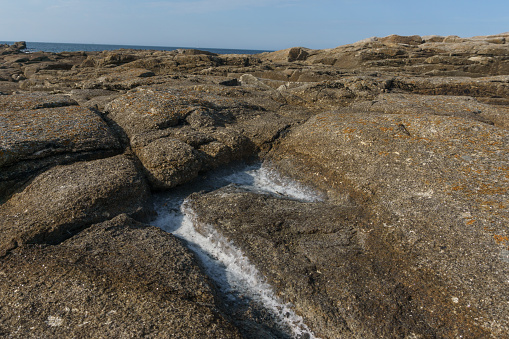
176	134
297	54
436	191
31	101
119	80
493	86
465	107
408	135
288	55
412	54
33	139
66	199
398	39
169	162
146	110
15	48
248	79
191	51
94	98
323	259
119	278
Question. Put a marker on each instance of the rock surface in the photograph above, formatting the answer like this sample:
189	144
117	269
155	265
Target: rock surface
406	135
119	278
38	131
176	134
328	261
436	189
63	200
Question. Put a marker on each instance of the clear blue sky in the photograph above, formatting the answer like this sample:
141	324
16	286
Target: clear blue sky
245	24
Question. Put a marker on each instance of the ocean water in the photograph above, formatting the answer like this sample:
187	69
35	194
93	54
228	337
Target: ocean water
66	47
237	279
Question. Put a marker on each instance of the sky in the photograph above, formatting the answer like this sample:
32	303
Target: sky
244	24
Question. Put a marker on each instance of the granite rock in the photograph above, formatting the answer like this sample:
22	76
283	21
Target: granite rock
35	137
62	201
434	188
119	278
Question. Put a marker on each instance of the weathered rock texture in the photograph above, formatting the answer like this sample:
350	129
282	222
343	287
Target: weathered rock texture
407	136
63	200
329	262
38	131
435	188
176	134
119	278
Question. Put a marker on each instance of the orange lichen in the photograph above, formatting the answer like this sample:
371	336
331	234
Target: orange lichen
501	239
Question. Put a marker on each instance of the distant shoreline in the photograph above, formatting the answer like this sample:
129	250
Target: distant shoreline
55	47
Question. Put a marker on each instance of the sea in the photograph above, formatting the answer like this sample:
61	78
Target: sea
68	47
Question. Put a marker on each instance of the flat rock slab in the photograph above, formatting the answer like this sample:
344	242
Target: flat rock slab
436	188
117	279
39	133
146	110
29	101
489	86
323	259
65	199
459	106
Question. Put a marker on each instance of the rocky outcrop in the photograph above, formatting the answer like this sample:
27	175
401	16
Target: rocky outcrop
407	136
454	106
176	134
15	48
435	188
119	278
39	131
326	260
64	200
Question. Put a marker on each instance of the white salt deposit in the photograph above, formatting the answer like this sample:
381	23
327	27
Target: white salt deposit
225	263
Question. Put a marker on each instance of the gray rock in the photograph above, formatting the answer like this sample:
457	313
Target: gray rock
325	260
119	278
178	133
34	139
65	199
465	107
147	110
435	188
169	162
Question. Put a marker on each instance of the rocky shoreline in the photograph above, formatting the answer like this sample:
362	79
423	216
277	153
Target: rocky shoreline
407	137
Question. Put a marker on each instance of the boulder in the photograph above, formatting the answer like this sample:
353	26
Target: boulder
178	133
297	54
145	110
66	199
435	189
169	162
119	278
33	139
15	48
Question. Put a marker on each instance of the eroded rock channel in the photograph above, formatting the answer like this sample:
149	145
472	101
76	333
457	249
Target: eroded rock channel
245	294
406	138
